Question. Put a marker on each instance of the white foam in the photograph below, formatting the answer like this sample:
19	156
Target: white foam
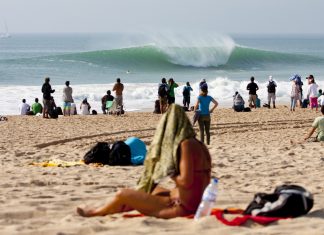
140	96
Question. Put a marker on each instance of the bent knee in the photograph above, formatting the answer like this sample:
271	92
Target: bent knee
124	193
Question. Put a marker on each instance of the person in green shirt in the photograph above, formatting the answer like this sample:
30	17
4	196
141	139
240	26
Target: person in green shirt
171	96
37	107
319	125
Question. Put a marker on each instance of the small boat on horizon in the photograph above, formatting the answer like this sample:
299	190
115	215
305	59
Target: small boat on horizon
6	33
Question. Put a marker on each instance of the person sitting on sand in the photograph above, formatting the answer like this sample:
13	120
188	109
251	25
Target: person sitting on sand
24	107
174	152
319	125
37	107
85	107
238	102
104	100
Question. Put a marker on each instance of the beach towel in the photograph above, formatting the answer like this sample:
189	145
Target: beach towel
161	159
57	163
239	220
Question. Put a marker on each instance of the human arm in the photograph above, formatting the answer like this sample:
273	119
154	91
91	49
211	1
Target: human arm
215	105
186	166
196	105
311	132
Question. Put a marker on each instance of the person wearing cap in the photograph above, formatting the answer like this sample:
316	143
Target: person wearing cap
47	91
67	99
312	92
202	104
271	92
252	87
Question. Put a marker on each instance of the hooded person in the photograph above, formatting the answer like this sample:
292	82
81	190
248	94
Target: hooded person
272	85
176	153
238	102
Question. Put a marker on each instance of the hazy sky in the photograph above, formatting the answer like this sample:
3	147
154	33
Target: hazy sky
218	16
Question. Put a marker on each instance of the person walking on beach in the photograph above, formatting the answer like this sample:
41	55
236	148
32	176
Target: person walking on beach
319	125
47	91
186	95
271	92
24	108
202	105
294	94
174	152
163	95
252	87
104	99
312	92
172	86
36	107
67	99
118	89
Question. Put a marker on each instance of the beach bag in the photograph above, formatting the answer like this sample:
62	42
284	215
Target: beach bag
247	109
53	113
99	153
157	107
162	90
285	201
59	111
120	154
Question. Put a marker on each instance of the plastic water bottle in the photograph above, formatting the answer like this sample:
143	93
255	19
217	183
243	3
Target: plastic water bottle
208	199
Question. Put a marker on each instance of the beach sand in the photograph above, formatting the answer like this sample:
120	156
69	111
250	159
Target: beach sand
251	152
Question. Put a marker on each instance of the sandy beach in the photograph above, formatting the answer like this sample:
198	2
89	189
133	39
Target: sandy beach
251	152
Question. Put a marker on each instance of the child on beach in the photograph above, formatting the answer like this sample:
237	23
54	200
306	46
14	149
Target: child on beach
174	152
312	92
85	107
319	125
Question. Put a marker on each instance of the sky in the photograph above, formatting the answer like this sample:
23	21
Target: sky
217	16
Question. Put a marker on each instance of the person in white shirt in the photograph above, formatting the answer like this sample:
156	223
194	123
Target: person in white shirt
85	107
312	92
321	100
24	108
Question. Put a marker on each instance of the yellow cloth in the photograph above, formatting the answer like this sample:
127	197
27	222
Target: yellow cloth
161	159
57	163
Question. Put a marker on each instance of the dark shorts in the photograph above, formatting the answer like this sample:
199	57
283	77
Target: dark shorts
171	100
186	100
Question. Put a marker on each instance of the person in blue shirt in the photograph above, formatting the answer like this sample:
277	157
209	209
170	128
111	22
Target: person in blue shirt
203	103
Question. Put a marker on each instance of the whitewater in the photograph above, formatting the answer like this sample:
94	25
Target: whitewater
93	62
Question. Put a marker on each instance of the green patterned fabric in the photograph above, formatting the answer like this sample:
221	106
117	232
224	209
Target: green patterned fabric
161	159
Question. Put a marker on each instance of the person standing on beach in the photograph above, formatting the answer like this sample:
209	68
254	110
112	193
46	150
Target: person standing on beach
104	100
24	107
36	107
252	87
294	94
118	89
67	99
47	91
172	86
203	82
202	105
272	92
186	95
176	153
312	92
163	95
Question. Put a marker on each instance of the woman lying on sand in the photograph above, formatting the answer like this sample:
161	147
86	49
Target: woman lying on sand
174	152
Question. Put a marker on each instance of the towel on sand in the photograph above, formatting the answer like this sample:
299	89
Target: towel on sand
161	159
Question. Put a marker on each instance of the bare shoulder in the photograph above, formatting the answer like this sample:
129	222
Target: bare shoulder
191	144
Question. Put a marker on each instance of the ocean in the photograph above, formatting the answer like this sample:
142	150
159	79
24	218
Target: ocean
92	62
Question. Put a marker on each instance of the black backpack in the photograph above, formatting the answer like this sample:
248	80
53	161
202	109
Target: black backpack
286	201
272	87
99	153
162	90
120	154
186	91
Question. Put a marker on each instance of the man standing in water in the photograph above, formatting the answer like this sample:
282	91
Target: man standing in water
252	87
47	91
118	89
